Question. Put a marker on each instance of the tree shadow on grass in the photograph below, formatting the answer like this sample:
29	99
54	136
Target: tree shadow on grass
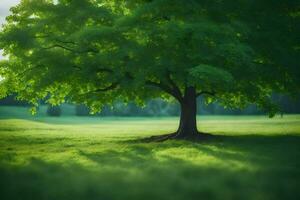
277	148
227	167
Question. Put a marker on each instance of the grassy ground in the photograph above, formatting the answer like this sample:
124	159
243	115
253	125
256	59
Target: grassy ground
92	158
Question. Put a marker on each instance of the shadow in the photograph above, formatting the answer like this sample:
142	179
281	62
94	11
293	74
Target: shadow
226	167
278	148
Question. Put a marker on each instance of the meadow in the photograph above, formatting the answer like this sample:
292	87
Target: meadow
251	157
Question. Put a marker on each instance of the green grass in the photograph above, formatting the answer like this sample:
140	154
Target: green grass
94	158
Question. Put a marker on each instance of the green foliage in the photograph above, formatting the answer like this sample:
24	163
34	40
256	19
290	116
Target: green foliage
95	51
211	78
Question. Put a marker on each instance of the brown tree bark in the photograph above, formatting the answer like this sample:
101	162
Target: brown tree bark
188	117
188	120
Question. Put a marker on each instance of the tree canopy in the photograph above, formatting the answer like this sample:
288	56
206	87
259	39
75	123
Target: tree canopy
95	51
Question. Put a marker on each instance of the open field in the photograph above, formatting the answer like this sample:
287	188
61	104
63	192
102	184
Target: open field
93	158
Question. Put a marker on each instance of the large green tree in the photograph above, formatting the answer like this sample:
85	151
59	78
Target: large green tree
96	51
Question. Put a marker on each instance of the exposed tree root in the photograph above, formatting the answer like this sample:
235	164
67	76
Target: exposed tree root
175	136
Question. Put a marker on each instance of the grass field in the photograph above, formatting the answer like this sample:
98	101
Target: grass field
92	158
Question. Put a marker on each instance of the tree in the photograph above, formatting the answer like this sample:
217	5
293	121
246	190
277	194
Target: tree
12	101
82	110
96	51
54	111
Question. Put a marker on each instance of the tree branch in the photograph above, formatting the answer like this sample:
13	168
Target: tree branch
98	69
108	88
55	39
165	89
28	69
58	46
104	70
65	42
173	84
70	49
161	86
111	87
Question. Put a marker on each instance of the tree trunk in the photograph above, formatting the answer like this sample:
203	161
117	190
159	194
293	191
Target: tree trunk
188	122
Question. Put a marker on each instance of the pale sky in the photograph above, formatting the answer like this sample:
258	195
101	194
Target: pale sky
4	11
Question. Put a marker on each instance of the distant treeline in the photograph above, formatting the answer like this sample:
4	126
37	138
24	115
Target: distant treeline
158	107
